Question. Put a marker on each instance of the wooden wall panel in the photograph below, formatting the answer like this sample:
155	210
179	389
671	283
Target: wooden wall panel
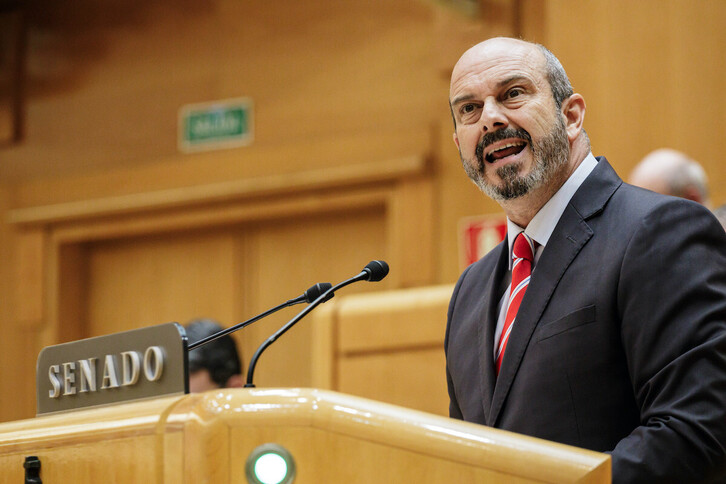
69	296
386	346
413	379
314	69
10	344
411	236
138	282
107	273
139	450
19	323
651	74
291	256
217	170
29	258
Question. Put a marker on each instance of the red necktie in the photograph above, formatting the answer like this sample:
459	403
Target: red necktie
522	257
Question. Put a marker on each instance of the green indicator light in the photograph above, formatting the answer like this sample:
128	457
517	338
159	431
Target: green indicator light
270	464
271	468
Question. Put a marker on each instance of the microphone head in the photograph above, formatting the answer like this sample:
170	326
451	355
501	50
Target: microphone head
376	270
316	291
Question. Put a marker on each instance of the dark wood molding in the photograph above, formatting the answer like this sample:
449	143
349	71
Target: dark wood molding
13	45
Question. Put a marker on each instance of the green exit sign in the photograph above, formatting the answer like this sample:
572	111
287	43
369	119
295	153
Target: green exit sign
215	125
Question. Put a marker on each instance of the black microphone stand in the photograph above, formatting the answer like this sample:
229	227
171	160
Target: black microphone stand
311	294
374	271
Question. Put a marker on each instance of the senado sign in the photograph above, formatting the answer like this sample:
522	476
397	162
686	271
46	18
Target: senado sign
132	365
81	376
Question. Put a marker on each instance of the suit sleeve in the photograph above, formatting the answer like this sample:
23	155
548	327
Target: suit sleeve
454	410
672	301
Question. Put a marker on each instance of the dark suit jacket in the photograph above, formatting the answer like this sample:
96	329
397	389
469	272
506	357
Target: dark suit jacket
620	342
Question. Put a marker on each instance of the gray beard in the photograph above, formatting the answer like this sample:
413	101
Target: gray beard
550	154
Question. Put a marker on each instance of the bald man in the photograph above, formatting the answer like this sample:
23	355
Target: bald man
600	320
671	172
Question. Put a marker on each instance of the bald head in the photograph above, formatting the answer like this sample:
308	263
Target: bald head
536	55
498	46
671	172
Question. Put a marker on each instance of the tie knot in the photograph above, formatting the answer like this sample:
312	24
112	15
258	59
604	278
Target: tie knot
523	247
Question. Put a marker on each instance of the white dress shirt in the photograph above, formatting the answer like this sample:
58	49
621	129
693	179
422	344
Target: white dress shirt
541	227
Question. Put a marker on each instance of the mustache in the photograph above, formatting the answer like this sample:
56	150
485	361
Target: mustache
500	135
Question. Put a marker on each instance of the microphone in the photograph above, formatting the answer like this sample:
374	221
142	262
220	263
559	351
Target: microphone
374	271
311	294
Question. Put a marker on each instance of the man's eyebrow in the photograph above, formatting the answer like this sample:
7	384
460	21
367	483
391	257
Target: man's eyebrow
500	84
512	79
463	97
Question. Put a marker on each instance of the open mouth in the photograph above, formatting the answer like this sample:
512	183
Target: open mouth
503	151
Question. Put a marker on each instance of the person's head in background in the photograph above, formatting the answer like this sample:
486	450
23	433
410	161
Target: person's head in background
215	364
671	172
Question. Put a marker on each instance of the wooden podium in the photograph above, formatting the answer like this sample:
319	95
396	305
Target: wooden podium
333	438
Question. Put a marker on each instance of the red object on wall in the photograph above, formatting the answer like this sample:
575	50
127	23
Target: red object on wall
478	235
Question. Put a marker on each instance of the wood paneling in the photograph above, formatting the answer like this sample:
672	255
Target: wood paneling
385	345
290	257
188	197
395	319
18	345
111	81
140	282
410	232
30	271
227	272
412	378
651	75
332	438
95	463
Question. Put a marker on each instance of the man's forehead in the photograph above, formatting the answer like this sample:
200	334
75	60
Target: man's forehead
499	53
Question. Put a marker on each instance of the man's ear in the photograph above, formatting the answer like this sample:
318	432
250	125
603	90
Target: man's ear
456	141
573	109
692	193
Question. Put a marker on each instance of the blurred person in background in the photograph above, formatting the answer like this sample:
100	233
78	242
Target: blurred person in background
215	364
671	172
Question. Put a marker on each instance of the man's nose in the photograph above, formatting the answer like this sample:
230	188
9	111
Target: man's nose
492	116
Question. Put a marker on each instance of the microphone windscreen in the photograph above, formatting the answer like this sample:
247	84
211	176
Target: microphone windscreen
316	291
376	269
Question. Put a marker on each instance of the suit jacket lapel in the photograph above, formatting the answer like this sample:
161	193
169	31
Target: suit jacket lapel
569	237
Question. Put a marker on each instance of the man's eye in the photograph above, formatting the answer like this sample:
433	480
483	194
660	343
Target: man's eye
469	112
512	93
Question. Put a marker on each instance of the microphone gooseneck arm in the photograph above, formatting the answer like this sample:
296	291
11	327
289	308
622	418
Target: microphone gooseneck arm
313	293
373	271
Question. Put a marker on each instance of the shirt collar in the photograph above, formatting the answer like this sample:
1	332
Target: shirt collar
543	224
